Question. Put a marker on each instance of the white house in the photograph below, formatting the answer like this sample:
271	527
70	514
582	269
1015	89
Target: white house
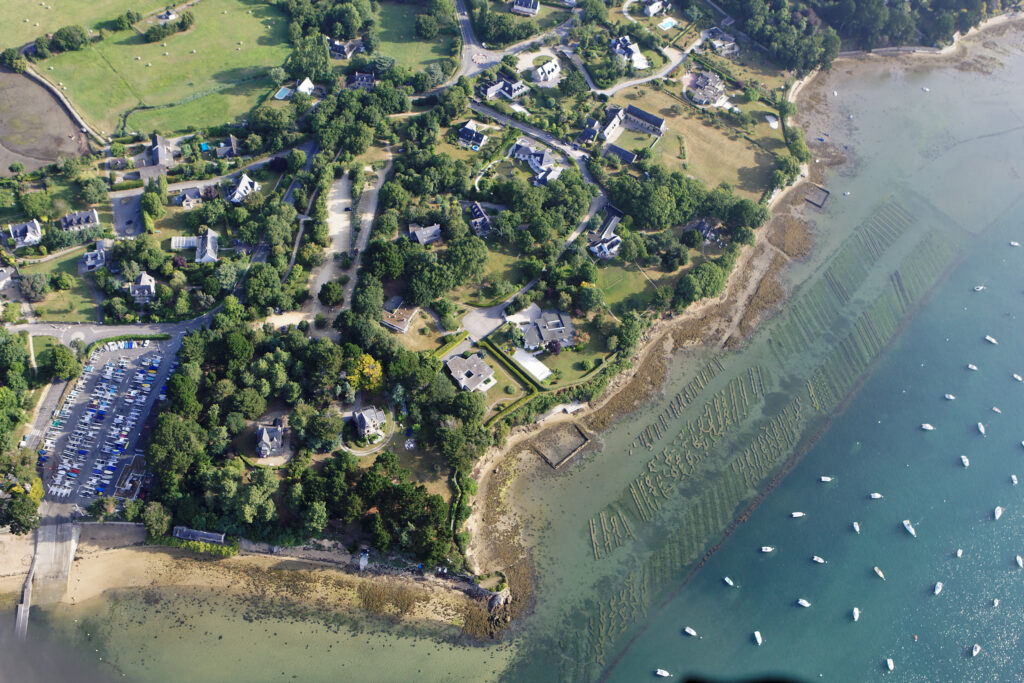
206	247
653	7
547	71
25	234
529	8
246	186
631	52
305	87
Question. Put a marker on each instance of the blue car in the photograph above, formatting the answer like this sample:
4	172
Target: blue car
97	471
72	475
81	452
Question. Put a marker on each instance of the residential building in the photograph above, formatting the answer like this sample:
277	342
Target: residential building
143	289
80	220
603	242
641	120
708	88
513	90
190	198
721	42
489	89
397	317
269	437
478	220
25	234
471	374
625	47
206	247
551	326
359	80
167	15
7	276
653	7
470	135
528	8
305	87
547	71
613	118
624	155
541	161
425	235
245	187
163	153
589	132
370	422
229	149
97	258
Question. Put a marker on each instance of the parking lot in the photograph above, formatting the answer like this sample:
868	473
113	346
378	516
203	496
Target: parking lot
91	445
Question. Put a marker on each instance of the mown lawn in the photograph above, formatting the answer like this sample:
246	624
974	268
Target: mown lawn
422	334
624	287
20	17
42	342
173	225
502	266
73	305
398	37
235	43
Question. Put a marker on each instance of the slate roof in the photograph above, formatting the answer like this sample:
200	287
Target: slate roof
638	113
470	372
80	220
551	325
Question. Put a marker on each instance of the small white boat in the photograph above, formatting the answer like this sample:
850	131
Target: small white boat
979	288
846	194
1020	562
818	559
959	552
990	339
689	630
981	429
856	527
757	638
803	602
965	461
995	602
1014	244
880	574
856	613
910	528
825	478
875	496
889	664
938	588
728	581
998	512
661	673
925	89
767	548
950	397
972	366
1013	479
995	409
835	93
1018	377
927	427
975	650
797	515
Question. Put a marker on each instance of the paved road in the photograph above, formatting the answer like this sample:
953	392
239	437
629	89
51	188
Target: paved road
367	211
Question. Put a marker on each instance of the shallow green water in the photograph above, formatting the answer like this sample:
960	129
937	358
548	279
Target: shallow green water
935	188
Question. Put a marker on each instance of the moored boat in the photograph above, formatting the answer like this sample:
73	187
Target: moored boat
938	587
927	427
978	288
690	631
880	574
1014	244
856	613
728	581
757	638
959	552
1013	479
910	528
975	650
1018	377
661	673
767	548
825	478
1020	562
950	397
990	339
803	602
995	409
995	602
972	366
890	664
998	512
965	461
981	429
875	496
817	559
856	527
797	515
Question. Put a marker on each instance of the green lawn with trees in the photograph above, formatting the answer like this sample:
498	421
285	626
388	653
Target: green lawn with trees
22	16
403	36
66	297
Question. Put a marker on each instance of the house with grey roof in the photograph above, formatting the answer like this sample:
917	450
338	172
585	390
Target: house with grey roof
143	289
549	327
397	317
361	81
231	148
644	121
370	422
163	153
490	89
245	187
425	235
471	136
540	160
708	88
528	8
190	198
25	234
471	374
624	155
603	242
206	247
270	438
478	220
630	51
80	220
98	257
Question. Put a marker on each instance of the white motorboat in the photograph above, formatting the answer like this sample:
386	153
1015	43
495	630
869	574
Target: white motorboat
757	638
1014	244
1013	479
818	559
803	602
825	478
950	397
927	427
975	650
1018	377
1020	562
875	496
965	461
995	409
767	548
938	587
856	613
690	631
995	602
925	89
797	515
990	339
998	512
856	527
981	429
959	552
661	673
728	581
880	574
910	528
978	288
972	366
890	664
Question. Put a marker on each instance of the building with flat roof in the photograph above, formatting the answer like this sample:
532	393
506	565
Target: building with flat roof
187	534
471	374
397	317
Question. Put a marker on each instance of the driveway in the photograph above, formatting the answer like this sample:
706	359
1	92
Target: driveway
127	215
368	205
480	322
339	225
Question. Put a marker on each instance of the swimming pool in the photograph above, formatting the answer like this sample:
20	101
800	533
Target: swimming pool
668	23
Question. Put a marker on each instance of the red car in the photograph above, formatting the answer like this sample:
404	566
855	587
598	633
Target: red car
76	471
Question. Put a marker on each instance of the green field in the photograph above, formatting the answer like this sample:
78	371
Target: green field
236	42
21	16
42	342
624	287
398	37
73	305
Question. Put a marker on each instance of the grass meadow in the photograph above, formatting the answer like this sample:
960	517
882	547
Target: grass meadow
73	305
21	16
398	37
